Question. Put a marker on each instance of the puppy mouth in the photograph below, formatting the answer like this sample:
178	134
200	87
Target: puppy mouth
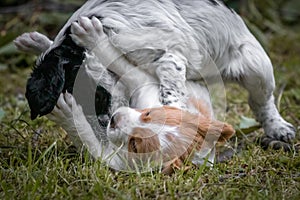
112	124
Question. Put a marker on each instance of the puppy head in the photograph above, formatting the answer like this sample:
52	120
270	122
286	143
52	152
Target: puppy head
167	133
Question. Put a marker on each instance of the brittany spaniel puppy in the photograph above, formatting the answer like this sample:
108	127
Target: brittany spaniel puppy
167	133
143	140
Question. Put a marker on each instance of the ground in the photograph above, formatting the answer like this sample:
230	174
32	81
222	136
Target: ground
37	161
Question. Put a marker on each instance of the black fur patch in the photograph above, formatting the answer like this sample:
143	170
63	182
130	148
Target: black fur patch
55	74
45	85
231	10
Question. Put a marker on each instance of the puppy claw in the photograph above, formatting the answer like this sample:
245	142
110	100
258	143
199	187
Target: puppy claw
85	23
97	24
68	99
280	130
267	142
77	30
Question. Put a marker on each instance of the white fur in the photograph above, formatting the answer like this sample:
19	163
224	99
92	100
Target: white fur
34	42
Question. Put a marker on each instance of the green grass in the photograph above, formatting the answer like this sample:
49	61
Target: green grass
37	161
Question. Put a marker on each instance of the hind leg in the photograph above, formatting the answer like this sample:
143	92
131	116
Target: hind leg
256	75
262	103
33	42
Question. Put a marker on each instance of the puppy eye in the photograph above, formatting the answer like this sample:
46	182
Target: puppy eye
147	113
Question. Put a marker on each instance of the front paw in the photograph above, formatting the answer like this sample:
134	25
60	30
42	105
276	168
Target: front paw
65	111
87	32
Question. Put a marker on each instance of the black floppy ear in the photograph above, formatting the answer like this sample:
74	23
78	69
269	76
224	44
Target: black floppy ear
44	86
54	74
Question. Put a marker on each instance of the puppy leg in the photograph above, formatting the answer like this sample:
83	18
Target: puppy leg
98	73
62	115
255	72
68	114
89	34
33	42
171	68
171	72
261	101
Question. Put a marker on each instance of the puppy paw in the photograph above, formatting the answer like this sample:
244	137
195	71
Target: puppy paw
32	42
87	32
279	129
267	142
65	111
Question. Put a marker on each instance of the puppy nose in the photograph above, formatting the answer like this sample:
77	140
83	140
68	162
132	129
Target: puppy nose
114	120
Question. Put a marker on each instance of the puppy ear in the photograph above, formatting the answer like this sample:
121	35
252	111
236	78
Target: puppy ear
143	141
44	87
134	144
201	106
214	129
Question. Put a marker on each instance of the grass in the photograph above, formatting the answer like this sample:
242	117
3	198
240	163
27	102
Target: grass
37	161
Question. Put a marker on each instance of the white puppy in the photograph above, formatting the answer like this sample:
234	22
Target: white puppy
190	33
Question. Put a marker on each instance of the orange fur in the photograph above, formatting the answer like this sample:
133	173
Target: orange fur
143	141
194	129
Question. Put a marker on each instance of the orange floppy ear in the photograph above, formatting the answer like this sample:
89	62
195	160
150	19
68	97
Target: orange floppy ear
201	106
143	141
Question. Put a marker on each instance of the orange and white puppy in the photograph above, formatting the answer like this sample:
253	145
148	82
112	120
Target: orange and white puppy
166	134
146	139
